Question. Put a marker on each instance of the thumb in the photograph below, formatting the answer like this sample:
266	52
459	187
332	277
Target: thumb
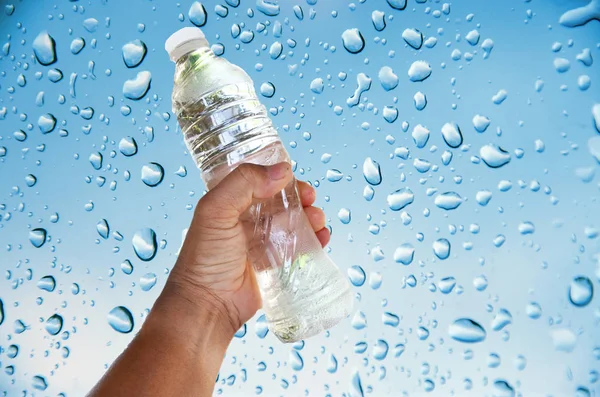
234	194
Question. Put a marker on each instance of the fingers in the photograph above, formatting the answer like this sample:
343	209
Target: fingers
316	216
234	194
307	193
324	236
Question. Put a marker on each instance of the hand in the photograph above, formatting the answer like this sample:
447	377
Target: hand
213	266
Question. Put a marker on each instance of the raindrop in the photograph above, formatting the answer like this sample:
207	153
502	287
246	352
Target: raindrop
359	321
419	71
345	215
472	37
127	267
103	229
47	283
452	135
267	89
446	285
332	364
39	383
90	24
480	283
400	199
420	136
483	197
152	174
581	291
448	201
390	114
388	79
317	85
372	171
380	349
502	389
30	180
562	65
413	38
441	248
526	228
269	8
275	50
96	160
144	244
147	281
378	19
261	327
501	320
356	389
54	324
46	123
596	115
585	57
420	100
397	4
494	156
134	53
296	361
500	97
128	146
121	319
197	14
481	123
1	311
135	89
37	237
44	48
466	330
334	175
534	310
353	41
584	82
77	45
357	275
404	254
563	339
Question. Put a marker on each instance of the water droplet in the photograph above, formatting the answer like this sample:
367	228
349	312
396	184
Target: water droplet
128	146
317	85
494	156
356	389
585	57
397	4
483	197
332	364
413	37
47	283
420	100
467	331
387	78
269	8
472	37
357	275
404	254
77	45
37	237
526	228
296	361
596	115
90	24
422	165
378	19
581	390
345	215
581	291
144	244
12	351
420	136
135	89
419	71
275	50
267	89
372	171
501	320
39	383
1	311
44	49
152	174
448	200
390	114
103	229
359	321
481	123
46	123
30	180
480	282
121	319
380	349
9	9
400	199
562	65
334	175
499	240
127	267
54	324
446	285
584	82
147	281
364	84
75	288
96	160
500	97
353	41
261	327
134	53
452	135
197	14
441	248
534	310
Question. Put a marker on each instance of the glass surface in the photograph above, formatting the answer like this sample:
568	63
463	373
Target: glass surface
455	148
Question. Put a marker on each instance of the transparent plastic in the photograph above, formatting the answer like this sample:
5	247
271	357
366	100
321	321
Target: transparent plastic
224	125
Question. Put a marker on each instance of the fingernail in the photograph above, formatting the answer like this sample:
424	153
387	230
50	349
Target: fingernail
278	171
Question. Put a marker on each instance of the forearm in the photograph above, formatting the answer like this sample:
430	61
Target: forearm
178	351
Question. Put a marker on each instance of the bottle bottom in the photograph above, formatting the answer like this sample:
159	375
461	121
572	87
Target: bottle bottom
316	297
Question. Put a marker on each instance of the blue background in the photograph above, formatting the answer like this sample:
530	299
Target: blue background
538	267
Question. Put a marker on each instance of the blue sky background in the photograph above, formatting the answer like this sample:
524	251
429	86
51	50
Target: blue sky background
537	267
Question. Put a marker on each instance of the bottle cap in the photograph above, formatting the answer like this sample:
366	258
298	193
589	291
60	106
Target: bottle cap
184	41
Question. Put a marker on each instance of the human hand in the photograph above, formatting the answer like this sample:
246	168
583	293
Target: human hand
213	267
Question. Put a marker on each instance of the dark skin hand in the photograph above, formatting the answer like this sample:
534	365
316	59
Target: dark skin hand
211	292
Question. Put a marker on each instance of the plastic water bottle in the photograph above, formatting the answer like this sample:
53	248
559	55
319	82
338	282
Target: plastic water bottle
224	125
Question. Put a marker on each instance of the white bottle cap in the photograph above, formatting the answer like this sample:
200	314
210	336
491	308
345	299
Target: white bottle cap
184	41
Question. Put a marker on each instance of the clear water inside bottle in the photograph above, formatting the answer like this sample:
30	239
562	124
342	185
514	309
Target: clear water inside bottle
225	125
